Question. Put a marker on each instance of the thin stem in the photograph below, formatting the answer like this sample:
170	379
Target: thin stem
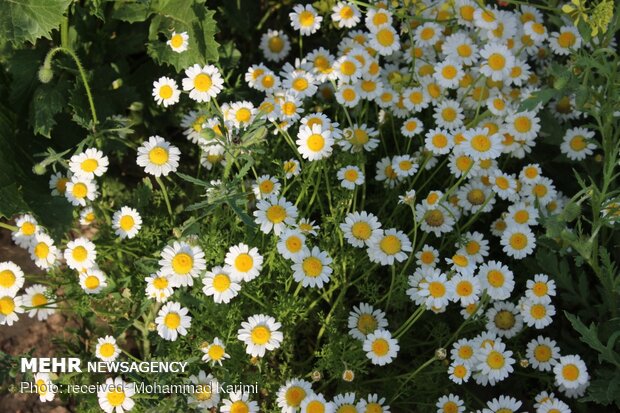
165	193
11	228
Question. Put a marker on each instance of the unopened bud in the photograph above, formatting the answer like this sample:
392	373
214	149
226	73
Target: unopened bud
524	363
45	74
348	375
441	353
316	375
39	169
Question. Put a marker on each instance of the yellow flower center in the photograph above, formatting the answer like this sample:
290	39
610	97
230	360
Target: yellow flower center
497	61
244	262
504	320
466	352
221	282
312	266
294	396
176	41
91	282
390	244
306	18
158	155
380	347
464	50
127	222
578	143
289	108
116	397
495	360
300	84
437	289
434	218
347	68
523	124
521	216
427	33
80	253
538	311
7	305
427	257
260	335
182	263
495	278
366	323
294	244
449	72
570	372
80	190
41	250
379	19
243	115
540	289
315	406
160	283
89	165
566	39
449	114
346	12
351	175
239	407
518	241
38	300
165	92
476	196
107	350
440	140
481	143
385	37
349	94
467	12
61	185
275	44
316	142
172	321
202	82
216	352
464	288
542	353
450	407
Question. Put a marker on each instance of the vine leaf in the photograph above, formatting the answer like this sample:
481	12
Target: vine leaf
29	20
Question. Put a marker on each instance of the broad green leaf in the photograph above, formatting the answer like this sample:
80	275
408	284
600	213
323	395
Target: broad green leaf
589	335
28	20
605	388
183	16
48	100
131	11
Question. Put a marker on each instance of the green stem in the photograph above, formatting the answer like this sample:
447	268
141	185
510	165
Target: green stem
11	228
165	193
48	64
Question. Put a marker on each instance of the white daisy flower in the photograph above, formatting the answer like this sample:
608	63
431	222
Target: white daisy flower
172	320
502	404
38	298
404	165
203	83
244	263
578	143
361	229
346	15
481	144
504	319
427	34
89	164
126	222
291	243
93	280
80	254
385	40
380	347
497	279
372	403
523	126
292	394
291	168
497	61
358	138
275	45
312	267
305	19
571	372
494	361
10	306
350	176
182	262
466	288
260	333
314	143
450	404
158	157
345	403
348	94
364	319
178	42
393	245
448	74
115	395
518	241
166	92
436	290
58	183
565	41
44	386
542	353
79	190
553	406
275	214
537	314
541	288
205	395
159	287
315	402
215	352
411	127
107	349
43	251
219	284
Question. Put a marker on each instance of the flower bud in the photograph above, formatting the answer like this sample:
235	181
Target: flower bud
45	74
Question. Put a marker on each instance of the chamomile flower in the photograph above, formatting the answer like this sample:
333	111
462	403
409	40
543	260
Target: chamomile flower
359	138
275	214
427	257
107	349
436	290
350	176
260	333
115	395
126	222
542	353
166	92
291	168
292	394
504	319
89	164
537	314
427	34
348	69
10	306
244	263
158	157
450	404
461	263
504	185
542	191
205	395
380	347
80	254
312	267
466	288
38	298
305	19
345	15
58	183
372	404
291	243
307	227
540	288
463	352
494	361
565	41
411	127
437	219
459	372
577	144
480	144
93	281
571	372
178	42
392	246
300	82
80	190
497	61
361	229
384	40
497	279
523	125
345	403
348	95
275	45
449	115
460	48
518	241
438	141
553	406
215	352
159	287
315	402
365	319
448	74
502	404
404	165
219	284
43	251
203	83
172	320
182	262
44	387
266	186
314	143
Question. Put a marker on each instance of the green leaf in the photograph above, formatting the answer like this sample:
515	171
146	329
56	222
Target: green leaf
605	388
28	20
131	11
48	100
589	335
543	96
189	16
